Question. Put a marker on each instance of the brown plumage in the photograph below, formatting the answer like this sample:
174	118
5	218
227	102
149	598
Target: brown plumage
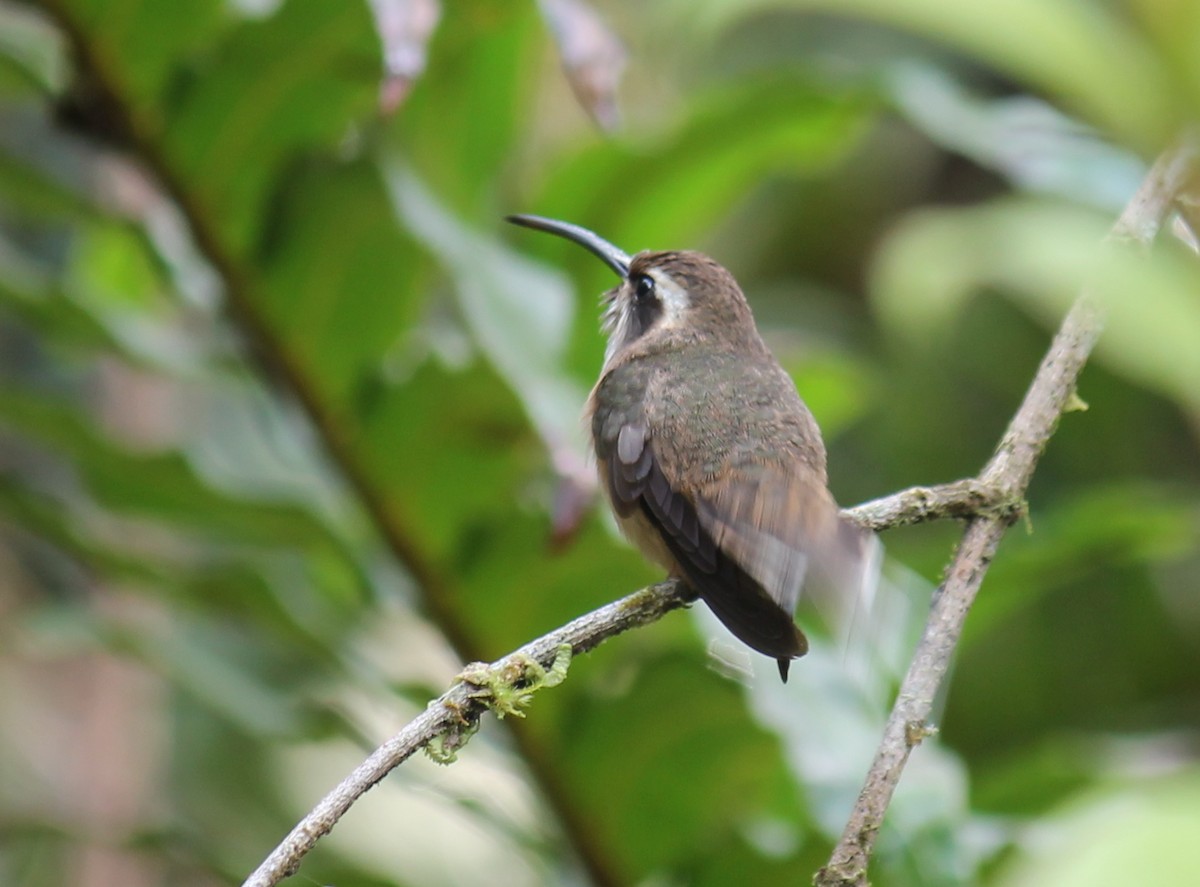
712	463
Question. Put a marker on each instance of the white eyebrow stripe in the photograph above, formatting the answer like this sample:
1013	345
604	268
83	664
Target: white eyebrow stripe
618	318
674	298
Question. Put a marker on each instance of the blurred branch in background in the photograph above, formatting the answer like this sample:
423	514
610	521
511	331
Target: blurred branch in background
284	423
98	75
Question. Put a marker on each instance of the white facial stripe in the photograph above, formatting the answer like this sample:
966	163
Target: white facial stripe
619	324
616	324
674	298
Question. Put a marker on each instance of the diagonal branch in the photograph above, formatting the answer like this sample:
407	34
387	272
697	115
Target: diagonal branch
1008	473
456	713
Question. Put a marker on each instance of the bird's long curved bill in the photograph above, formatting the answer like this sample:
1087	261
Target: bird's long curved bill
594	243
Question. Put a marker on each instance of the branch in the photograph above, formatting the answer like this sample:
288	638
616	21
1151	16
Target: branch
454	715
963	499
1007	474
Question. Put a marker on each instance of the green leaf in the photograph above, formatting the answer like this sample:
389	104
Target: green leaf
1080	52
211	661
667	764
30	51
458	129
41	189
1122	833
146	40
518	312
1044	255
838	388
670	186
296	80
34	513
445	448
160	485
342	278
1109	527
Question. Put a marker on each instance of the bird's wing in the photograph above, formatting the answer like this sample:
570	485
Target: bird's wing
637	480
779	523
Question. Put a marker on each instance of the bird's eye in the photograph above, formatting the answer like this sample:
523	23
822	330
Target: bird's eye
643	288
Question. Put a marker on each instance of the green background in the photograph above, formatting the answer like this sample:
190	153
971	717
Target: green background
286	410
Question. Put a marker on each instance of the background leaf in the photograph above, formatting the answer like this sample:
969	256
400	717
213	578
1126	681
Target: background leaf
286	408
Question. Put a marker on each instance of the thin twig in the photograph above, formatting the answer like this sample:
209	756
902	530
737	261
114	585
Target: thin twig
1008	473
962	499
457	712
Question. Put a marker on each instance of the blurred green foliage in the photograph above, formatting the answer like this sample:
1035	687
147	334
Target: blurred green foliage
284	414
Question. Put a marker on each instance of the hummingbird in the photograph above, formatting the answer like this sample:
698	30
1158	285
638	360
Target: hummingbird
713	465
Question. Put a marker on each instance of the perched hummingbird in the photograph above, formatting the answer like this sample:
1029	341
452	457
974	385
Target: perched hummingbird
712	463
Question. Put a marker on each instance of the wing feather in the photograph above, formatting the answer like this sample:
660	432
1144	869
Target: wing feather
736	597
782	526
